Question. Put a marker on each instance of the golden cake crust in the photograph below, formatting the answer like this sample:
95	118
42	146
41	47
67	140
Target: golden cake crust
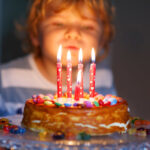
94	121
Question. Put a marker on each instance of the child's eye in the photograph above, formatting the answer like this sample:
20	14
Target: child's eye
88	27
58	24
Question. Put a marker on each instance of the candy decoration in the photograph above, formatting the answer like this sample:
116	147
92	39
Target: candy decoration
107	103
88	104
58	104
134	119
96	103
75	104
101	103
40	99
34	98
6	128
83	136
113	101
67	104
59	135
22	130
48	103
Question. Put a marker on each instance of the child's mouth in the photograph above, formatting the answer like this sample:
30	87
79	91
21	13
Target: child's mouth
72	48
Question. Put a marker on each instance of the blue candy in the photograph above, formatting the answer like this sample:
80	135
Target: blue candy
22	130
113	101
105	100
67	104
75	104
17	130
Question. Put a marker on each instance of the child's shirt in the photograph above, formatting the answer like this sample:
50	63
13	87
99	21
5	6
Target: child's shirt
20	79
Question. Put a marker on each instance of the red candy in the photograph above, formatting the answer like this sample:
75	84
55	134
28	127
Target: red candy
6	128
39	100
101	103
107	103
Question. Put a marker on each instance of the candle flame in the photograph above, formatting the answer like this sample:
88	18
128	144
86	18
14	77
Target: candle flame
59	53
79	77
80	55
93	55
69	56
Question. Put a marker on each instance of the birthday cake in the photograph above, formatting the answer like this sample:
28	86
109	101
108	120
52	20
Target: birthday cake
99	116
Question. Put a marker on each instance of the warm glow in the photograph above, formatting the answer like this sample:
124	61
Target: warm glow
68	56
93	55
59	53
80	55
79	77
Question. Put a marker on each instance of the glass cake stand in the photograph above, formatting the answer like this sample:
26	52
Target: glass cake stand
31	140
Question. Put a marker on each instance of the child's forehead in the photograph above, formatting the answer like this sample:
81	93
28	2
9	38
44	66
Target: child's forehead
84	13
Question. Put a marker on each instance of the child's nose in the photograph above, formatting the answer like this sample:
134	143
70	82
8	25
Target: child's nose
73	33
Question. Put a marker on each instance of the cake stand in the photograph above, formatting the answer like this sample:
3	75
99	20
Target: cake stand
31	140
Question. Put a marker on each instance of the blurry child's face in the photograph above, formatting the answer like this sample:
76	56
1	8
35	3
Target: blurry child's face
71	30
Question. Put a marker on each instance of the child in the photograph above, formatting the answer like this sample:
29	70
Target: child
75	24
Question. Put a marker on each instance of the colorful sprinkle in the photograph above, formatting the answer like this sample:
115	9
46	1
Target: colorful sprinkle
58	104
48	103
88	104
101	103
83	136
113	101
67	104
96	103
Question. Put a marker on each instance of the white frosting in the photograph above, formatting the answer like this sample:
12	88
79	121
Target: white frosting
36	121
85	125
116	124
52	124
62	113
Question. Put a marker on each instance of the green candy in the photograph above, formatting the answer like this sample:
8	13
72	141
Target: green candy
83	136
96	103
134	119
58	104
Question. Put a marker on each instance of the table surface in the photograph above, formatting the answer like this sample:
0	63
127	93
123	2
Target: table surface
31	140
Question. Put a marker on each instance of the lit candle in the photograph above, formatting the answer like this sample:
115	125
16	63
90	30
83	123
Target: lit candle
69	75
59	73
80	68
92	75
77	88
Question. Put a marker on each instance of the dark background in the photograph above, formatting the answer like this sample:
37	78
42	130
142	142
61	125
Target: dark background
131	48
